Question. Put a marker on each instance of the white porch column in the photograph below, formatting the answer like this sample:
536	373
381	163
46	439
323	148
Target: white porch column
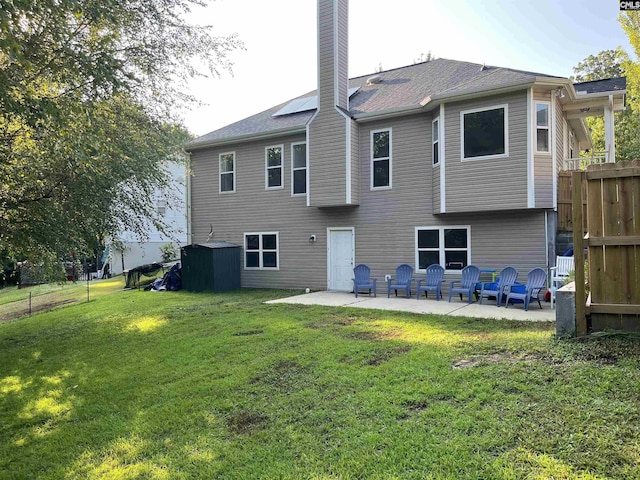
609	137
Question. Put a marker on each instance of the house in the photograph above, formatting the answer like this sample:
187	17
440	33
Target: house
443	162
128	251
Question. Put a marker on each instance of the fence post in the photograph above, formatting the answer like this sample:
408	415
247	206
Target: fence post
30	293
578	251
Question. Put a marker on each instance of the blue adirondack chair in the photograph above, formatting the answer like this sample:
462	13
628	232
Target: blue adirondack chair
433	282
536	279
362	280
508	277
470	277
402	281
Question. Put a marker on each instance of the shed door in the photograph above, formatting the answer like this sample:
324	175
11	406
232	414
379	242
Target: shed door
340	259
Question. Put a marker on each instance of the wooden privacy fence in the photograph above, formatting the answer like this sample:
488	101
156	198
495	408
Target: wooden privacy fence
613	242
565	202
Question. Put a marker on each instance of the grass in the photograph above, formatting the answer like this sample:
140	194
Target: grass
179	386
14	301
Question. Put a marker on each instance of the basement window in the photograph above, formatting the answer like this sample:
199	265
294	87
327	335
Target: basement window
261	251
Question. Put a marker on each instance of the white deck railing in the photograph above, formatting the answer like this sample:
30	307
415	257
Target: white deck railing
581	163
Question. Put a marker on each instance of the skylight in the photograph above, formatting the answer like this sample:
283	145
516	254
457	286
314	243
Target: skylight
305	104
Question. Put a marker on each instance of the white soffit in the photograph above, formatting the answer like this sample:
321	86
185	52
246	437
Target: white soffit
305	104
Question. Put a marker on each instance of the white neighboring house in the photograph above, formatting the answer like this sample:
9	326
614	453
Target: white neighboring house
134	252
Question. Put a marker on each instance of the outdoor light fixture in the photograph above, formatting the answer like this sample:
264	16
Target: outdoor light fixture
312	239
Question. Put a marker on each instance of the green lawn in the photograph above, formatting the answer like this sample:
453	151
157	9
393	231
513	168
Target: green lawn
14	301
179	386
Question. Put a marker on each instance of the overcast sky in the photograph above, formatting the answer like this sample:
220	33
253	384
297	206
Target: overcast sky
279	63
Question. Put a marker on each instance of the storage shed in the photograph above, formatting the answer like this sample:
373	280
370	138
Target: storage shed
212	267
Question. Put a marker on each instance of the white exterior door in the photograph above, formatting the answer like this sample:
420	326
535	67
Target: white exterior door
340	258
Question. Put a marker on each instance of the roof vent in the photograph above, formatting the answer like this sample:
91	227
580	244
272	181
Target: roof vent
483	67
374	80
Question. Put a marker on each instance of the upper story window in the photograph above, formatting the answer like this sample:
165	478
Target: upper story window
542	127
381	159
274	163
298	168
485	132
228	172
161	207
261	251
446	246
435	140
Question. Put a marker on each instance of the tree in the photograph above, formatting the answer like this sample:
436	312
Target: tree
90	96
608	64
630	22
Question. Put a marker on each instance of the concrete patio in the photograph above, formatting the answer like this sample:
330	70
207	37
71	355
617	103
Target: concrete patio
456	308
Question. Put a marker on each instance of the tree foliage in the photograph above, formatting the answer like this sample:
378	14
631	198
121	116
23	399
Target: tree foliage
606	64
630	22
90	95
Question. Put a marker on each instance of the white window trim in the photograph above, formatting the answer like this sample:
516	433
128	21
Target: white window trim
261	251
267	168
505	106
433	142
386	187
441	249
220	173
539	127
306	169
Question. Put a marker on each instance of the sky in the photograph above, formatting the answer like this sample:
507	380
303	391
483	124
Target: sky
280	40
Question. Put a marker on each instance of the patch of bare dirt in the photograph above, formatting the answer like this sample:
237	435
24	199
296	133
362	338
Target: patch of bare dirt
489	359
44	307
385	355
246	421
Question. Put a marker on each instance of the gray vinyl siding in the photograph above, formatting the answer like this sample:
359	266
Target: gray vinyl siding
343	52
333	37
435	189
543	163
327	143
384	223
355	163
487	184
328	159
326	66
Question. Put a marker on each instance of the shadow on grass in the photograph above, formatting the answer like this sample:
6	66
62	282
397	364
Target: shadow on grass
141	384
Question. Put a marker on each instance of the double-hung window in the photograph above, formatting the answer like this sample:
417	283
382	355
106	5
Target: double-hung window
542	127
261	251
435	141
298	168
227	172
448	246
484	132
381	159
274	166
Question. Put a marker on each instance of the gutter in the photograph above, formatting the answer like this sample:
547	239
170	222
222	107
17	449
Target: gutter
241	138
